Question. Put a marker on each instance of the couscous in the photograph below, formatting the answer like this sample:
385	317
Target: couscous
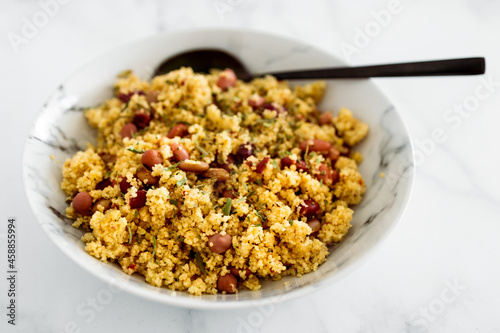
205	184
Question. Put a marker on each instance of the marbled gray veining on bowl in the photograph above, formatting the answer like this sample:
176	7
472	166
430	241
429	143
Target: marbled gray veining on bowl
61	130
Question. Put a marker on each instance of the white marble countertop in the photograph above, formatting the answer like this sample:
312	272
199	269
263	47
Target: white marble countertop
438	270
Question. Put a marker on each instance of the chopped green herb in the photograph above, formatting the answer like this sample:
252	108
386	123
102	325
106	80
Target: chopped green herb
200	263
107	175
129	234
275	165
287	153
291	222
181	182
154	248
140	132
156	262
169	82
173	202
125	106
172	167
197	233
258	225
321	182
202	151
136	151
136	214
227	208
258	182
260	215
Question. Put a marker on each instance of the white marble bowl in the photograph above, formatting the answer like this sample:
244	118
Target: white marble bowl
61	130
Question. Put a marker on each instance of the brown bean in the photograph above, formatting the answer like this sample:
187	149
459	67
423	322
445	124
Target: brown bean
219	243
229	194
193	166
315	225
124	185
237	271
309	208
108	158
178	130
82	203
152	96
226	79
147	178
150	158
325	174
128	131
102	205
219	173
333	154
325	118
335	177
141	119
317	145
139	200
227	283
180	154
262	165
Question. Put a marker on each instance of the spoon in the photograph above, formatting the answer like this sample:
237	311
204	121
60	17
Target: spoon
202	60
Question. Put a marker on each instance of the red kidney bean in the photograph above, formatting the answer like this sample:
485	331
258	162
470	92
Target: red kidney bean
317	145
309	208
178	130
219	243
139	200
141	119
315	225
180	154
256	101
150	158
229	194
236	272
227	283
125	97
325	118
128	131
147	178
124	185
226	79
274	107
102	204
103	184
333	154
325	174
286	162
301	166
335	177
262	165
82	203
246	150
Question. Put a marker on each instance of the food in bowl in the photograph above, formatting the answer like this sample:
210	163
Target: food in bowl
206	184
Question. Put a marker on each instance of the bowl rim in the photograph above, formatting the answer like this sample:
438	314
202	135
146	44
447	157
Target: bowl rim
199	303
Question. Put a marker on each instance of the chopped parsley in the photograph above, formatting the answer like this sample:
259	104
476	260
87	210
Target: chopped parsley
200	263
172	167
291	222
136	214
154	248
258	225
107	175
275	165
227	208
202	151
173	202
129	234
181	182
136	151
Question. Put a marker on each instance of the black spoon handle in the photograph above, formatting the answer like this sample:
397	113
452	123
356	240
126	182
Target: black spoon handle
464	66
